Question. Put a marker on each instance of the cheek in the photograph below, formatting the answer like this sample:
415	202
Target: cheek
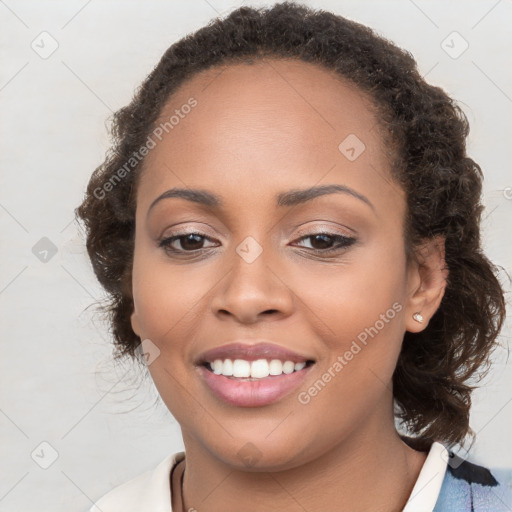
367	292
166	297
170	306
361	307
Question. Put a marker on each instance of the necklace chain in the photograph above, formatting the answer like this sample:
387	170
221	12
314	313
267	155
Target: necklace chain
181	488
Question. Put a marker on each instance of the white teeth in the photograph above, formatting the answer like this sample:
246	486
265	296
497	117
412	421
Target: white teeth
227	368
288	367
241	368
275	367
258	369
217	366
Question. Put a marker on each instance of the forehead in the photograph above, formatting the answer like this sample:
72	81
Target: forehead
269	123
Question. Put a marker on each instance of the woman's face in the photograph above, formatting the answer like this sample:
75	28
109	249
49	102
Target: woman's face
319	277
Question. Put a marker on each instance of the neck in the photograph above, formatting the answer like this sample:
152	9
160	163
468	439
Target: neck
373	470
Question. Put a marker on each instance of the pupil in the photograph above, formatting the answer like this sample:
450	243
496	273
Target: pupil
189	238
324	237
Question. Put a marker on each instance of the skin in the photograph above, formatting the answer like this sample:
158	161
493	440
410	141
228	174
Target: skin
256	131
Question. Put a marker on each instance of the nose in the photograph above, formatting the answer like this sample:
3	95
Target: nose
253	292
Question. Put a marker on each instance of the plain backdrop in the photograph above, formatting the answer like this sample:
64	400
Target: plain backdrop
66	66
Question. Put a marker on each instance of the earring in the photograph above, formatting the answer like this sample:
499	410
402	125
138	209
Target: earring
418	317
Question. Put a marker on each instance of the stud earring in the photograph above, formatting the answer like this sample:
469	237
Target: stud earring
418	317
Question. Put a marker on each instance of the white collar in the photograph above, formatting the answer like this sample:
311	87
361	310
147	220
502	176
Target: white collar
149	491
426	490
152	491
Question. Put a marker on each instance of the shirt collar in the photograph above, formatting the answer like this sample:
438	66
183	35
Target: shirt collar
426	490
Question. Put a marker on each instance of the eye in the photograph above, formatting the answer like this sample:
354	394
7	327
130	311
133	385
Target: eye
324	242
189	242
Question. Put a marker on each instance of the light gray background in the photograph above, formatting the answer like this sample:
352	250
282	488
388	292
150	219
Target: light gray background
59	384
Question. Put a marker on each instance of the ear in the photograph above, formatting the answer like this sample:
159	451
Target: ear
427	276
127	289
134	320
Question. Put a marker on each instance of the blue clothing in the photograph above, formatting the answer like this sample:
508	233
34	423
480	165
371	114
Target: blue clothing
468	487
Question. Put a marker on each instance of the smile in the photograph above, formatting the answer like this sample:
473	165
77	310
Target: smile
252	375
258	369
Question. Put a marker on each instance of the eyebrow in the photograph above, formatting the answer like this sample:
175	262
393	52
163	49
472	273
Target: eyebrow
289	198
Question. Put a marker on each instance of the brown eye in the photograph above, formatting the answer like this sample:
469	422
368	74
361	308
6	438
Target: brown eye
323	242
189	242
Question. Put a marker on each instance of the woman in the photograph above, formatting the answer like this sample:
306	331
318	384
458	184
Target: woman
288	227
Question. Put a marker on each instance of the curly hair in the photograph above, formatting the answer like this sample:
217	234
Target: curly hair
443	186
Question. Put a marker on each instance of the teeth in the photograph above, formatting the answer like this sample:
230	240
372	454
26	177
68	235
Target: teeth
227	368
241	368
288	367
258	369
217	366
275	367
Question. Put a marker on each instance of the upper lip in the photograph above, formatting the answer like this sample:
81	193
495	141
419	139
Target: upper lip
252	352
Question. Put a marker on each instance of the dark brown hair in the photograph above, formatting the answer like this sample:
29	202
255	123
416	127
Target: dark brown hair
443	187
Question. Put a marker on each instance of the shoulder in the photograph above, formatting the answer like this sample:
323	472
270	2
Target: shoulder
470	487
147	491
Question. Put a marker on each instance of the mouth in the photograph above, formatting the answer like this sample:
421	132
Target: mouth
252	375
242	369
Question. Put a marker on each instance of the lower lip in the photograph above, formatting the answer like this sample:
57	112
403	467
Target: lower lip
253	393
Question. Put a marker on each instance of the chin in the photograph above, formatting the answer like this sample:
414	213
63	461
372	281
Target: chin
263	452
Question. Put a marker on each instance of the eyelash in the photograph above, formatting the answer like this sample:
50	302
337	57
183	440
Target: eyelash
343	242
